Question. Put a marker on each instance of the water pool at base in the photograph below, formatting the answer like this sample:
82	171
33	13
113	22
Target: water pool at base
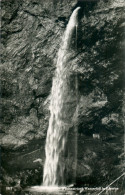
42	190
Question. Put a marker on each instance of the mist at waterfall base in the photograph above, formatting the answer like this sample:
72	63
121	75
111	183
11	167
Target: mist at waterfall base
54	175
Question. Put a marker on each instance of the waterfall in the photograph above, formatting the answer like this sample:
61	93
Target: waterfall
54	168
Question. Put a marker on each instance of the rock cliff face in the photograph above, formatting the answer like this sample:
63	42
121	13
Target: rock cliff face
31	35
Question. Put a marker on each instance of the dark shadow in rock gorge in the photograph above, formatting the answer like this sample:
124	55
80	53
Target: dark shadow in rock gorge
86	6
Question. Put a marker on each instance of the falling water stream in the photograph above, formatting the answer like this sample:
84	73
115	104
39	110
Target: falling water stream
54	168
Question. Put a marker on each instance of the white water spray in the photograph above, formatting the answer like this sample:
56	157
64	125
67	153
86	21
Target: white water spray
54	168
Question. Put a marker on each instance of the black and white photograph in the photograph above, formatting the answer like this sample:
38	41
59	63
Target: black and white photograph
62	92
